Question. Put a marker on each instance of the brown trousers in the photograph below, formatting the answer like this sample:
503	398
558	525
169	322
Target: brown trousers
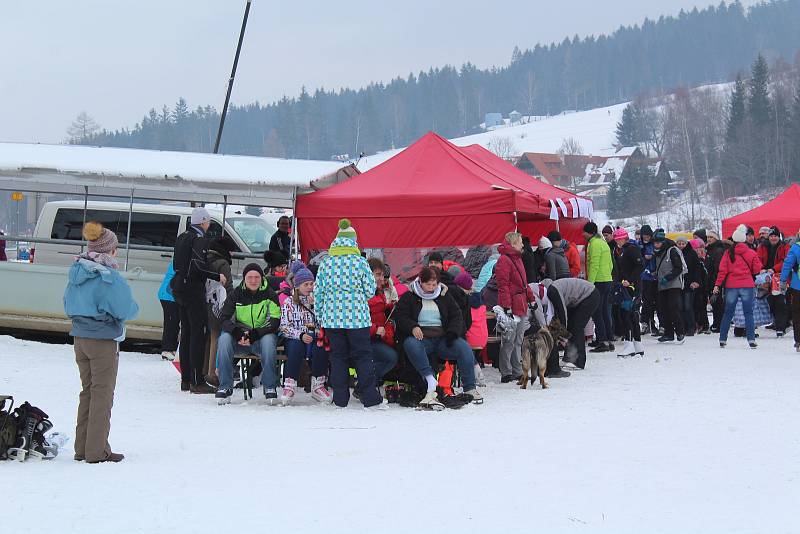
98	360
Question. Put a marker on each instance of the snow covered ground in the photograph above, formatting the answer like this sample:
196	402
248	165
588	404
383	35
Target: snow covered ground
686	439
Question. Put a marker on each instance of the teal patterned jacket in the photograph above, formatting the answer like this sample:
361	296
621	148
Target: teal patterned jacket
343	287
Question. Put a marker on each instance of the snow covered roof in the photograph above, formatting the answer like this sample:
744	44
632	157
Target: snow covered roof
160	164
158	174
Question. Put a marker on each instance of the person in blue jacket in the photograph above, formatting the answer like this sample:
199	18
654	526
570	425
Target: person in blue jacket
790	282
172	320
649	282
99	301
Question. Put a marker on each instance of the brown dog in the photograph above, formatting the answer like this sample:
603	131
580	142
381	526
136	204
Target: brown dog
539	346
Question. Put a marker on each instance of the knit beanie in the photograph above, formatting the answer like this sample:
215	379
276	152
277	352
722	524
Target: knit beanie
620	233
101	240
696	243
681	239
252	267
774	231
200	216
712	233
740	235
659	236
545	243
346	230
302	275
554	235
464	280
274	258
764	230
701	233
646	230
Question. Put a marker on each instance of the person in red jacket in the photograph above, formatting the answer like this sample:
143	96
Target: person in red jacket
381	331
570	251
737	270
772	251
513	295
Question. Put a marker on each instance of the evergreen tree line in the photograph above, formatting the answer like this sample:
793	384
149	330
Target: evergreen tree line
722	143
694	47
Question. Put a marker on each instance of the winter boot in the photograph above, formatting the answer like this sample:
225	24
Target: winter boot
168	355
318	390
627	350
287	394
431	402
480	380
223	396
638	348
477	398
271	395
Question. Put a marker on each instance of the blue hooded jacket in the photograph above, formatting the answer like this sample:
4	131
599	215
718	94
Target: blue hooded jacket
164	290
98	300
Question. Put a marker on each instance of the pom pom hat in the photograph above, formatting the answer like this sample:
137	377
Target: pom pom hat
101	240
346	230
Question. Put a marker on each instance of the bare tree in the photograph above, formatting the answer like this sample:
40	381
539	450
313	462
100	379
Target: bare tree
502	147
82	127
570	147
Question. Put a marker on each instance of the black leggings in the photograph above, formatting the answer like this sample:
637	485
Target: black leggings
630	321
194	330
172	325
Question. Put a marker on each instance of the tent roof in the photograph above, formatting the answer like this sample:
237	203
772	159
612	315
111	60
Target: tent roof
782	211
434	177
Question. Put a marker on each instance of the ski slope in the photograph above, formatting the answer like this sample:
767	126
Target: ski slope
686	439
593	129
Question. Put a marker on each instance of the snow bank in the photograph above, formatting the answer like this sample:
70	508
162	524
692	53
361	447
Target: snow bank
684	440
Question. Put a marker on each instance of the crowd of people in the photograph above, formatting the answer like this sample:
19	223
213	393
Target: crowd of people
357	327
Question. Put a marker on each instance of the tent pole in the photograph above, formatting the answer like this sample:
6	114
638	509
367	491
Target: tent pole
224	212
294	246
128	237
85	206
516	227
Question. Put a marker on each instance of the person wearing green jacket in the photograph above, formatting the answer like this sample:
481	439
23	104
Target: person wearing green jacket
599	271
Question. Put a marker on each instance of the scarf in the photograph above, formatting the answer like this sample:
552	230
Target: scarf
417	289
102	258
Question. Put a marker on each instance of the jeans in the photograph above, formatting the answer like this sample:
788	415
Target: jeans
352	344
732	295
384	357
297	351
264	348
511	348
418	352
603	327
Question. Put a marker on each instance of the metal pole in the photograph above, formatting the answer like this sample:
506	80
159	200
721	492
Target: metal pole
294	244
230	80
85	207
128	237
224	212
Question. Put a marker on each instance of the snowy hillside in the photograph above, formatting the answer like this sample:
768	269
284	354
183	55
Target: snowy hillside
593	129
681	440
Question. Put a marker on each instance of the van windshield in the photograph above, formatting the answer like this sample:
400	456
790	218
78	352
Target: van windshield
254	231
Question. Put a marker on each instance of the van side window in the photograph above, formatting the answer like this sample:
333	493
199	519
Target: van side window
154	229
215	230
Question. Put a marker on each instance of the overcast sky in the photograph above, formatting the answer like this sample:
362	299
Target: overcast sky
117	59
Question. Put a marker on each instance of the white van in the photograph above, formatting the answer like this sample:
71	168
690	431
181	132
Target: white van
151	224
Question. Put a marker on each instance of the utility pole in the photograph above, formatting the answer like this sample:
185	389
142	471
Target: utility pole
230	80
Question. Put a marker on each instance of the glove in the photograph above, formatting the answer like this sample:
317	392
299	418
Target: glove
253	335
663	281
451	338
237	334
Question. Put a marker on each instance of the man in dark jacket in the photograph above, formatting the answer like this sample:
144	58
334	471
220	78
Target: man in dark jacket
532	261
772	252
627	283
189	289
281	241
714	251
250	321
692	282
555	261
669	270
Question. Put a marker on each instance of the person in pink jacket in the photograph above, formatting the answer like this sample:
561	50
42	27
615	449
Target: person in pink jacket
737	270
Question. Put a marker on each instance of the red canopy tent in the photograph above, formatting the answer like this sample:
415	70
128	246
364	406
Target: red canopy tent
783	211
432	194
